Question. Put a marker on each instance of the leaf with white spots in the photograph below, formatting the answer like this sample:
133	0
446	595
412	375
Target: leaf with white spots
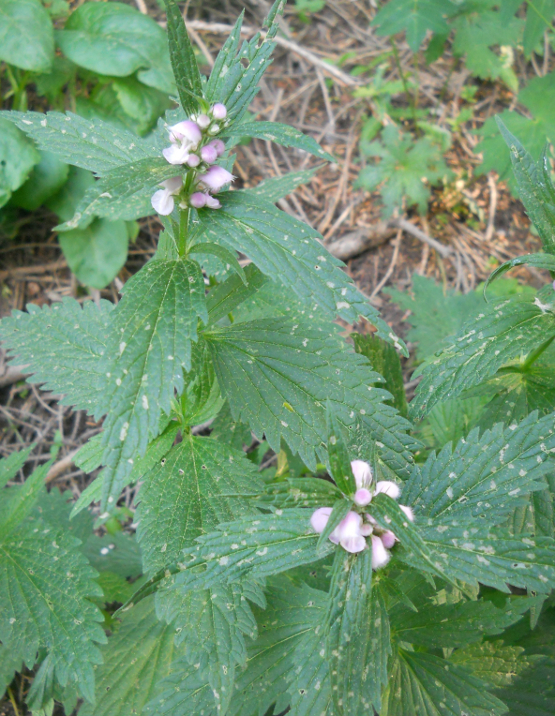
136	658
278	376
149	347
503	332
493	662
63	346
196	486
483	476
284	248
278	187
279	133
90	144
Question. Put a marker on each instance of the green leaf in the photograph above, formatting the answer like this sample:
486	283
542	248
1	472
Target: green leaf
539	15
340	463
96	253
224	298
226	256
122	193
301	492
431	686
9	664
17	159
19	500
143	104
268	236
66	200
235	76
196	486
503	331
184	63
202	399
26	35
63	346
535	188
282	134
149	346
117	553
10	466
136	658
279	375
415	17
45	583
492	662
543	261
483	476
278	187
46	179
117	40
404	163
89	144
385	361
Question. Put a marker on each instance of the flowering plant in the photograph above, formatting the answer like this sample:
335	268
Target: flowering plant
306	587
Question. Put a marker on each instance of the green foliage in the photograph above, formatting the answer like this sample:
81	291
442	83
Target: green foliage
26	35
414	17
17	157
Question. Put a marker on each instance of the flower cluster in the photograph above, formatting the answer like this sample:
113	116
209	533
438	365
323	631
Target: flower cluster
188	147
352	531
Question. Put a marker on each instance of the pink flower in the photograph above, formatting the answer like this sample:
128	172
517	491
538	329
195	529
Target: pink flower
219	111
366	529
218	145
363	497
176	154
162	200
348	533
212	202
408	512
184	137
389	488
198	199
193	160
216	178
209	154
362	473
380	555
388	539
203	121
320	518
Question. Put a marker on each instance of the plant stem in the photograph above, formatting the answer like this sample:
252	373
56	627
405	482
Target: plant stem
12	701
535	354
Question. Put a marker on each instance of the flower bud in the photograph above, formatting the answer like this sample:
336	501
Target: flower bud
380	556
198	200
193	160
366	529
203	121
218	145
320	518
219	111
388	539
208	154
362	473
408	512
214	129
388	488
363	497
212	202
216	178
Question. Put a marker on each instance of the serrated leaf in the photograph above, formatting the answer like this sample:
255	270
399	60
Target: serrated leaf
483	476
543	261
45	583
184	62
117	553
271	238
434	687
289	371
279	187
385	361
503	331
539	14
9	664
492	662
338	453
195	487
416	17
10	466
301	492
149	347
63	346
279	133
228	258
89	144
223	299
136	658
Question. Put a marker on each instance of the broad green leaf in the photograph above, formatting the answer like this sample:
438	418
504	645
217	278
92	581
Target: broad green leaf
279	375
46	179
452	420
224	298
268	236
45	583
194	488
97	252
301	492
18	501
136	658
149	347
202	399
64	202
184	62
122	193
430	686
235	76
116	39
282	134
543	261
539	16
503	331
483	476
278	187
17	159
385	361
339	455
63	346
143	104
267	545
117	553
492	662
9	664
10	466
228	258
93	145
26	35
415	17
